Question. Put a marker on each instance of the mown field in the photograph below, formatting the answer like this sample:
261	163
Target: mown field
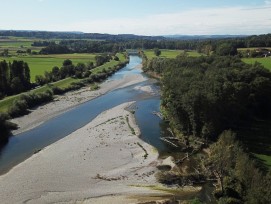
38	64
8	101
170	53
14	44
266	62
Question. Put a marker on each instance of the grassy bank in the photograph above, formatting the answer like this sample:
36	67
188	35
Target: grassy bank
6	103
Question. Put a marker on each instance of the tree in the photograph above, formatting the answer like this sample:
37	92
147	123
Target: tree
5	53
157	52
5	127
16	85
28	51
223	157
80	68
67	62
226	49
101	59
4	77
55	73
41	80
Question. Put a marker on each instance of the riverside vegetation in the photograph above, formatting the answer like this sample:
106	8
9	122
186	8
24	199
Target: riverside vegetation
210	103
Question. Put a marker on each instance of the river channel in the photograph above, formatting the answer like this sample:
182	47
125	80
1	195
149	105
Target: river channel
23	145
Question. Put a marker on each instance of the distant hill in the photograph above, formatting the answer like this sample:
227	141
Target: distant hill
202	37
75	35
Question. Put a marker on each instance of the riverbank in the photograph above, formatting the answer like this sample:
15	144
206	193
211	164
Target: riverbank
63	103
103	160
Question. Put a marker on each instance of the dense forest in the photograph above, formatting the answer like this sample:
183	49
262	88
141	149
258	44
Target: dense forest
208	99
207	95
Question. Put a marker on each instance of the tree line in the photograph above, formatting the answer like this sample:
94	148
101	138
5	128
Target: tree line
14	77
75	35
226	46
82	46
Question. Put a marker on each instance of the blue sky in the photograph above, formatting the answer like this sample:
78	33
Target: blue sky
144	17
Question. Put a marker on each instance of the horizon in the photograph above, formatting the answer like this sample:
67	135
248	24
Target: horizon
151	18
168	35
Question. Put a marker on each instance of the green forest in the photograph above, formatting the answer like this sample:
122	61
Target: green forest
212	102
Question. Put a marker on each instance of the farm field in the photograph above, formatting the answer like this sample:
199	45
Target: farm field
14	44
170	53
38	64
266	62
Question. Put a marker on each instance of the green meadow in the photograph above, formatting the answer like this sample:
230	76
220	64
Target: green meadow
266	62
38	64
170	53
15	44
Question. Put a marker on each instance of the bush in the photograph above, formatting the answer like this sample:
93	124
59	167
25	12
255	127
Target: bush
20	106
5	127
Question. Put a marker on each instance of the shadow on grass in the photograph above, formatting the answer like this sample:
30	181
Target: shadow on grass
256	137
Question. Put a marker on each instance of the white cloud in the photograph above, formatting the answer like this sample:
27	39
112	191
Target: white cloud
228	20
267	2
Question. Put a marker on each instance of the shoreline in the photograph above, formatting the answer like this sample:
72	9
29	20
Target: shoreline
105	158
68	101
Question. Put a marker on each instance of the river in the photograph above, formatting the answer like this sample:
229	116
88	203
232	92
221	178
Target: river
23	145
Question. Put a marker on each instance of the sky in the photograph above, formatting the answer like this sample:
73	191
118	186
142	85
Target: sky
141	17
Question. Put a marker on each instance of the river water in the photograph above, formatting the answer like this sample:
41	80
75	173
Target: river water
22	146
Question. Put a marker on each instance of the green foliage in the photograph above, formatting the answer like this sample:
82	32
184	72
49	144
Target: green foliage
195	201
102	59
14	77
94	87
239	178
5	127
157	52
226	49
25	101
204	96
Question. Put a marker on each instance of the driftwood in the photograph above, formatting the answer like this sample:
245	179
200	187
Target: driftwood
171	132
183	159
158	114
166	140
196	141
171	138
